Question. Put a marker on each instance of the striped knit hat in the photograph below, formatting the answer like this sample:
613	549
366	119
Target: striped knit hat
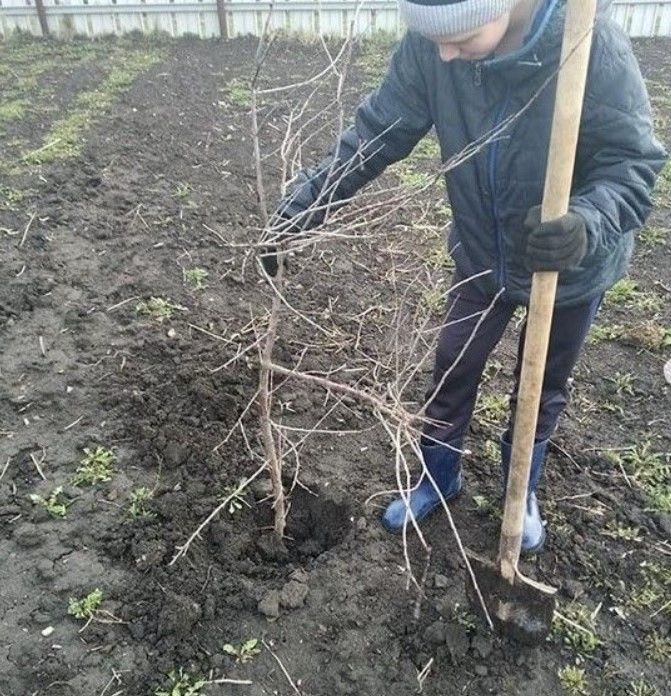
445	17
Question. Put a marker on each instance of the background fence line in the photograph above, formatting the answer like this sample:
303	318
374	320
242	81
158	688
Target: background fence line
214	18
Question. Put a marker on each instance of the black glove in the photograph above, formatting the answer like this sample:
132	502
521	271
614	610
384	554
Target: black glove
555	245
268	254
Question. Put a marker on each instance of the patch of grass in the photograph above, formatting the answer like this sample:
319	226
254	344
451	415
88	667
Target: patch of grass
181	684
650	470
485	506
410	178
183	191
492	451
577	629
10	197
239	93
642	688
195	277
375	55
573	680
56	504
65	137
615	530
139	503
427	148
434	299
623	292
244	652
159	308
491	408
86	607
648	334
438	259
653	593
464	617
662	192
604	332
622	383
654	236
13	110
95	467
657	647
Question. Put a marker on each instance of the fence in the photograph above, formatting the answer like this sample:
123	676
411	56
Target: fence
214	18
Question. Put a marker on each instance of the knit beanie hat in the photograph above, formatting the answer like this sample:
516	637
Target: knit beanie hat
444	17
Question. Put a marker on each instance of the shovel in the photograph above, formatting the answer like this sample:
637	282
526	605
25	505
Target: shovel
519	607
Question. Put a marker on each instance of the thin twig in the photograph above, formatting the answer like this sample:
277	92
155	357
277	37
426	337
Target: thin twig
283	668
25	232
39	463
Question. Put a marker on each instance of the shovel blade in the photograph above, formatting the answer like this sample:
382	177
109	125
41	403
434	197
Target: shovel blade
522	611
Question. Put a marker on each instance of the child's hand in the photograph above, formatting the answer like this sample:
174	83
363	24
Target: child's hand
555	245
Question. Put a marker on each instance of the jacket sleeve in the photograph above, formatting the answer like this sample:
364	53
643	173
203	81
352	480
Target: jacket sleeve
618	156
388	124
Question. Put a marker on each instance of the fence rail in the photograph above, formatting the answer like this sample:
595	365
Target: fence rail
214	18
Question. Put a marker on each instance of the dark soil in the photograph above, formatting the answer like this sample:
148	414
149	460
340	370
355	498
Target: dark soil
169	163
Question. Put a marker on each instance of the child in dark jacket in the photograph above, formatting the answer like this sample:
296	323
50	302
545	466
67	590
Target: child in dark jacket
464	67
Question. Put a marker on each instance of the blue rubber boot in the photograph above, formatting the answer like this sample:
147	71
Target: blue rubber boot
444	465
533	536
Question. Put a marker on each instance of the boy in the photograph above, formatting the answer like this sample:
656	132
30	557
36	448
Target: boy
464	67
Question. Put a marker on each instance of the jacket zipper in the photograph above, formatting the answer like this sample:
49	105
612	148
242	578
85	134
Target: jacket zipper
493	152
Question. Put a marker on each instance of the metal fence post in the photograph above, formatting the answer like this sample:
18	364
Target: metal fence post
42	17
221	13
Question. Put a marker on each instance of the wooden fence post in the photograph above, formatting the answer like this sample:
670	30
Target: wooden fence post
221	13
43	17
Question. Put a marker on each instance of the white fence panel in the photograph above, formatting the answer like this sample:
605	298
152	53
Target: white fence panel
329	17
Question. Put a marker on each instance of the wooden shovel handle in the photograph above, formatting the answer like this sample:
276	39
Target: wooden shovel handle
569	98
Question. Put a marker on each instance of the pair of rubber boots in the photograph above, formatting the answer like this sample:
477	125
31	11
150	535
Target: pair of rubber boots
444	465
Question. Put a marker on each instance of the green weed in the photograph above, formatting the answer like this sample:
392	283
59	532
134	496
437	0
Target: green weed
374	58
244	652
485	506
642	688
573	680
604	332
427	148
434	299
623	292
237	498
653	236
657	647
182	684
183	191
158	308
239	93
576	627
10	198
86	607
615	530
623	383
139	503
662	192
56	504
491	408
13	110
95	467
195	277
464	617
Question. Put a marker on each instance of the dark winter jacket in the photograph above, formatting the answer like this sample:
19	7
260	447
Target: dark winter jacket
490	194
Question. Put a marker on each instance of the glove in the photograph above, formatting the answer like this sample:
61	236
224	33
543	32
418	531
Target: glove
268	255
555	245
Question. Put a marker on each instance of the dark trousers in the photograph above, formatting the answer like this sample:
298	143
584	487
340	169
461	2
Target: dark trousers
473	326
